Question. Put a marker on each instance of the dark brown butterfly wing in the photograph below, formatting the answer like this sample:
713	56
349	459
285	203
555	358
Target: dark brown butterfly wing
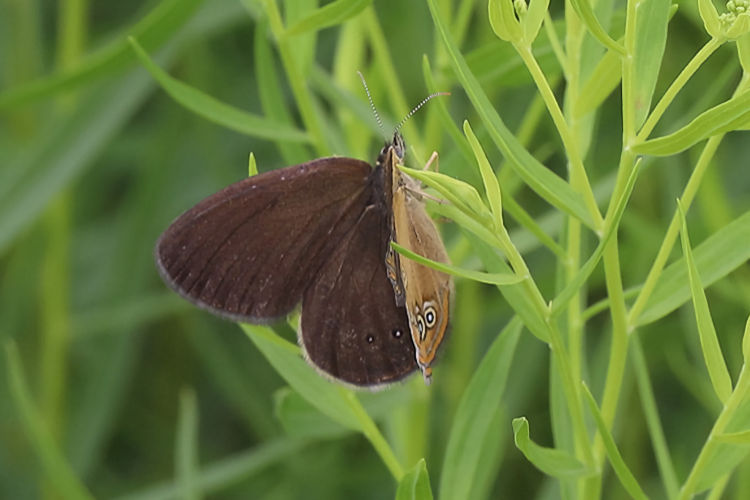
351	327
249	251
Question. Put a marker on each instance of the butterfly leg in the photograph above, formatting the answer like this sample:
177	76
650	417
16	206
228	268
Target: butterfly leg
433	159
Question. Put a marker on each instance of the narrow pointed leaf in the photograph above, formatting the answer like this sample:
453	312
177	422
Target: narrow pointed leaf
603	81
717	368
618	464
717	256
491	186
287	360
719	119
551	461
415	485
215	110
330	14
583	8
650	39
489	278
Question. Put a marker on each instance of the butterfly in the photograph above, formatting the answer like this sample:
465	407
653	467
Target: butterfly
319	234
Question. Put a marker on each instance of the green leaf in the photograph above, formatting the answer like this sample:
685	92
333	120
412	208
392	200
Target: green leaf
252	166
717	368
746	343
584	10
300	419
551	461
464	196
55	467
475	413
534	18
618	464
739	438
652	19
415	485
719	119
743	52
330	14
710	18
216	111
603	80
329	398
503	20
491	185
489	278
717	256
739	27
154	29
539	178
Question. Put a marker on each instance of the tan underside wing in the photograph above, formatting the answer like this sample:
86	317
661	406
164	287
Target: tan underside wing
428	292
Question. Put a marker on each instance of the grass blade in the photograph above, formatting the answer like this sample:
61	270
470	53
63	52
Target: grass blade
330	14
55	465
475	413
186	452
154	29
216	111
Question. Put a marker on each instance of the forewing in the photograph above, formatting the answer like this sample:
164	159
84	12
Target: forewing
249	251
351	328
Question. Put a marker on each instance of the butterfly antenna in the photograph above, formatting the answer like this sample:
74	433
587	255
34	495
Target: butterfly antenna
416	108
372	104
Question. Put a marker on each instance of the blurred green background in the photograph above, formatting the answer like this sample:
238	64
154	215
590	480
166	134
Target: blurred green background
96	160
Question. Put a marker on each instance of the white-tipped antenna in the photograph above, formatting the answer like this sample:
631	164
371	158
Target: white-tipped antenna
416	108
372	104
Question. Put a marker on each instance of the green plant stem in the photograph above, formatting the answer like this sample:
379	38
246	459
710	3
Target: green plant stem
578	178
739	395
572	397
628	85
55	270
575	325
570	386
373	434
673	231
679	82
296	80
648	402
